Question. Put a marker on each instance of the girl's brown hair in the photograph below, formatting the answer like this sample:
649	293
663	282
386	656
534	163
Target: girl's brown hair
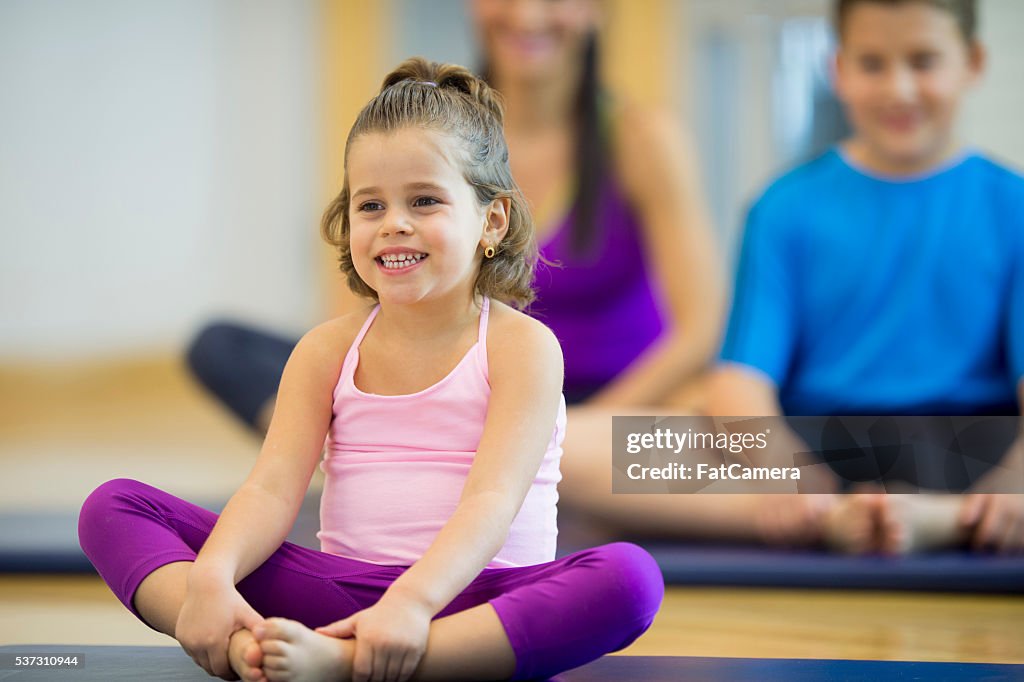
449	99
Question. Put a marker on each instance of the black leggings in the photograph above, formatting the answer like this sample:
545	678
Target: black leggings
241	365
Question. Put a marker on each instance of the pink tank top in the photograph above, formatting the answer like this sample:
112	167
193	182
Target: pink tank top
395	466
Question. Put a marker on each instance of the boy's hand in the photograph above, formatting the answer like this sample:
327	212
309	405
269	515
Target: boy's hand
994	521
391	637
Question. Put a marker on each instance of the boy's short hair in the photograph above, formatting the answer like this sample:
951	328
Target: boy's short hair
964	11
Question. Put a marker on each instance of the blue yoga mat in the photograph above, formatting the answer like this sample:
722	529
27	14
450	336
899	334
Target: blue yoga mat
958	571
48	543
171	664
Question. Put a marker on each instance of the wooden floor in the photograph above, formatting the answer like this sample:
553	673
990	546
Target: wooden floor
64	430
692	622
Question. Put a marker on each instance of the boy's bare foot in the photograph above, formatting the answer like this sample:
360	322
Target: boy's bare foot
793	520
851	525
895	526
294	653
245	656
919	523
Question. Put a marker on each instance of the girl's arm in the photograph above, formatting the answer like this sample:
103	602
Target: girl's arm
258	517
525	367
658	171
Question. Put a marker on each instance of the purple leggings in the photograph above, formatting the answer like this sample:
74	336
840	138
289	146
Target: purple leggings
557	615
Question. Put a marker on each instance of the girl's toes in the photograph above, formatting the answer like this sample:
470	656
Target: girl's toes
274	647
275	675
274	664
282	629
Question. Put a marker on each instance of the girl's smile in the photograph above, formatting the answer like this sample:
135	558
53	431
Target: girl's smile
399	261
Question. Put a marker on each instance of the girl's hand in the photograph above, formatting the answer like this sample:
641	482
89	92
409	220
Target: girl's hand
391	637
209	616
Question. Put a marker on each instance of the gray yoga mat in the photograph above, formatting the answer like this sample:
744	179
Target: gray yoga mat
171	664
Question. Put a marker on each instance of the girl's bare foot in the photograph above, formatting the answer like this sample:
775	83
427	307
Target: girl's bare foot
245	656
851	525
294	653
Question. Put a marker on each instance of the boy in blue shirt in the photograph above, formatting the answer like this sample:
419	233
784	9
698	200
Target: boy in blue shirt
887	276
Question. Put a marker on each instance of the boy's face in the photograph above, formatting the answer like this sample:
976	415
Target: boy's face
901	72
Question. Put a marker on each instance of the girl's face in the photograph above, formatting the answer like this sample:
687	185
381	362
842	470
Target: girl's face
417	228
527	40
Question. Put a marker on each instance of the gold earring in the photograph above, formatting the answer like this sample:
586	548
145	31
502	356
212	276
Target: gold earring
489	252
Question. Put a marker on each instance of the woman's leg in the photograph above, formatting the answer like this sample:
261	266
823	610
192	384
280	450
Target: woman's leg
242	367
520	623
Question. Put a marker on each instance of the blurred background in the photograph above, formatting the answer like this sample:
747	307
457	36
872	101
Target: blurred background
165	163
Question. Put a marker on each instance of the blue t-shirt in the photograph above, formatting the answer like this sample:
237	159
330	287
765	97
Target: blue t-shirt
859	294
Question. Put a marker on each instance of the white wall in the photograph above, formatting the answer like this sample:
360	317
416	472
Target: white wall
440	30
994	112
158	164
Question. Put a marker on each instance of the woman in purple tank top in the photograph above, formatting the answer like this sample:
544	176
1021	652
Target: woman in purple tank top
637	299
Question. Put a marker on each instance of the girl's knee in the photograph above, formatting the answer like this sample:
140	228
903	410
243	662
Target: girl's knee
114	489
632	580
97	508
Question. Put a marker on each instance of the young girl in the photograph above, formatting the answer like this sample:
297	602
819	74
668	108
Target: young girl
444	423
